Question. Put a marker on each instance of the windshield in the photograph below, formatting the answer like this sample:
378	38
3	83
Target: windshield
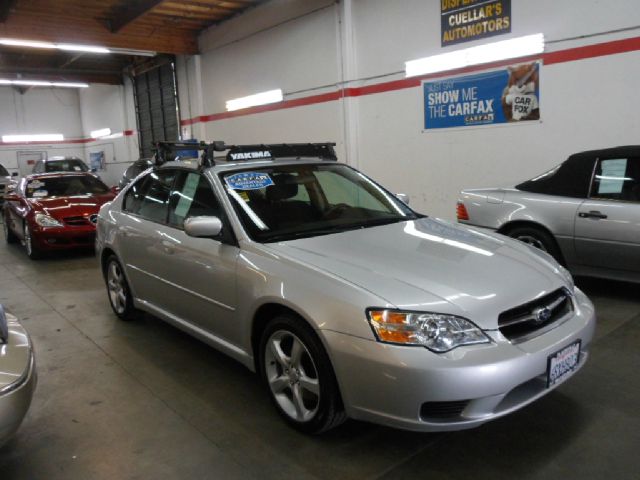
3	172
294	201
69	186
66	165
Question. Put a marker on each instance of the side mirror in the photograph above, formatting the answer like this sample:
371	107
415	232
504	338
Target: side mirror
203	227
403	197
14	174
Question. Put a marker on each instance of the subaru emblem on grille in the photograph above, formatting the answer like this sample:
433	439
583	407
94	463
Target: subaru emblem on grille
542	315
93	218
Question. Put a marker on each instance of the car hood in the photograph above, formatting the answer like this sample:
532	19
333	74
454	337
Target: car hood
76	206
432	265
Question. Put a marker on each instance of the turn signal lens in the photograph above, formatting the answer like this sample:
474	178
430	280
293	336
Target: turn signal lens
438	332
461	211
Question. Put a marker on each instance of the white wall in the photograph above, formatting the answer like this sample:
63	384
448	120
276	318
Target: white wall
110	106
39	111
74	113
309	47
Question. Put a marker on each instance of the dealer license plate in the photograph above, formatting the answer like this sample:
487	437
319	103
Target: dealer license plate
563	363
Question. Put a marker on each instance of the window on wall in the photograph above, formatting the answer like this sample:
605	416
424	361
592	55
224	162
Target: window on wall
156	96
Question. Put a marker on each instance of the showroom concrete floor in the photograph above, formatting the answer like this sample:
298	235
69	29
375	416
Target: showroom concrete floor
143	400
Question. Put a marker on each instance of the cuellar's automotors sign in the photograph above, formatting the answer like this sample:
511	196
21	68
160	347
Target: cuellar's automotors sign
466	20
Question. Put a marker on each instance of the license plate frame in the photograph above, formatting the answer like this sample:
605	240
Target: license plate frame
569	352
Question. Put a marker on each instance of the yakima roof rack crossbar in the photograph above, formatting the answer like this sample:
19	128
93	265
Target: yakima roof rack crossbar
324	151
166	150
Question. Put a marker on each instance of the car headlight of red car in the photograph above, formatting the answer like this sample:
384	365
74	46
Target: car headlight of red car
438	332
47	221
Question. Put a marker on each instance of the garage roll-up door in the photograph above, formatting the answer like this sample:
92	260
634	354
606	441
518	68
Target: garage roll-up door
157	107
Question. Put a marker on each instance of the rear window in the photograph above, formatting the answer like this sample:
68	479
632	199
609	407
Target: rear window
66	166
570	179
67	186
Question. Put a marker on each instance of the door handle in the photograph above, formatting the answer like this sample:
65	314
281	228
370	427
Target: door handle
168	247
592	214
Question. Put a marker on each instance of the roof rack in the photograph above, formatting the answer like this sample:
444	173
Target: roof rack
165	149
324	151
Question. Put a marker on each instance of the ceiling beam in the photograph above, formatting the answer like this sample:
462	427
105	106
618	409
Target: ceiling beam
5	9
130	11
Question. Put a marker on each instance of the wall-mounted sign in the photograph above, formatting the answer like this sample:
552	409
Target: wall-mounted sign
510	95
466	20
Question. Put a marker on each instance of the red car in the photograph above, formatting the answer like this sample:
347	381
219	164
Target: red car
54	211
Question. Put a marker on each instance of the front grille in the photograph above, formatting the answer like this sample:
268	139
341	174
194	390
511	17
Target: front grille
536	317
76	221
441	410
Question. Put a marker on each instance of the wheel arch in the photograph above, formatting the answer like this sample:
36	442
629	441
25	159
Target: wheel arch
512	225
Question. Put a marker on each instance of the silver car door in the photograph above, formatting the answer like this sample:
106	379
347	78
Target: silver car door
143	215
607	232
201	270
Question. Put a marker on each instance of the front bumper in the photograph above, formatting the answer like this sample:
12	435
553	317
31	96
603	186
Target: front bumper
414	389
62	238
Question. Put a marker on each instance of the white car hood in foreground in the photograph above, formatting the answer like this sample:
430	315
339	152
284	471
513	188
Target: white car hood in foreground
432	265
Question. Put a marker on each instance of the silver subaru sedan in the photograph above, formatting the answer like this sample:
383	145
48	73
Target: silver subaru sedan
17	374
585	212
346	302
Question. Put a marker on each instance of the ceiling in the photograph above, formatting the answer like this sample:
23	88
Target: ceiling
162	26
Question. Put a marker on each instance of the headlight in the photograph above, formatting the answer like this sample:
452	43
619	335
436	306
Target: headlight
438	332
47	221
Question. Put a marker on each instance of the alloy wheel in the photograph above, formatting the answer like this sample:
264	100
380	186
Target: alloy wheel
116	287
292	376
533	241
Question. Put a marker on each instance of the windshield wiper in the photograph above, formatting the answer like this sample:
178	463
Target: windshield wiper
333	229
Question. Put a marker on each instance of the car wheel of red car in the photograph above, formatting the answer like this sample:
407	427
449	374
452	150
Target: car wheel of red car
9	236
118	290
32	251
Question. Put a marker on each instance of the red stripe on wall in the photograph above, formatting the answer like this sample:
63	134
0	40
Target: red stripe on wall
550	58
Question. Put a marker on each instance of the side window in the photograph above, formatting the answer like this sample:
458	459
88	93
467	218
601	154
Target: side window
192	197
617	179
38	167
149	197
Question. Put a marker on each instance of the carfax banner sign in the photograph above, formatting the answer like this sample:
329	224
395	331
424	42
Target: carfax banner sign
510	95
466	20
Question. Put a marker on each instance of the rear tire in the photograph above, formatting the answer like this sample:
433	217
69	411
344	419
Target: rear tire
298	374
538	238
118	290
9	236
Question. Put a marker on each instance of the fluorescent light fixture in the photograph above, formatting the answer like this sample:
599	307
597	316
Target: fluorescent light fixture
42	137
263	98
70	47
491	52
103	132
42	83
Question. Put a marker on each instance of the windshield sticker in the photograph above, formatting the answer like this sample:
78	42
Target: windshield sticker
249	181
35	184
40	193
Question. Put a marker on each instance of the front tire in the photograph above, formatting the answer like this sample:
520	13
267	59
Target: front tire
9	236
118	290
299	376
32	251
